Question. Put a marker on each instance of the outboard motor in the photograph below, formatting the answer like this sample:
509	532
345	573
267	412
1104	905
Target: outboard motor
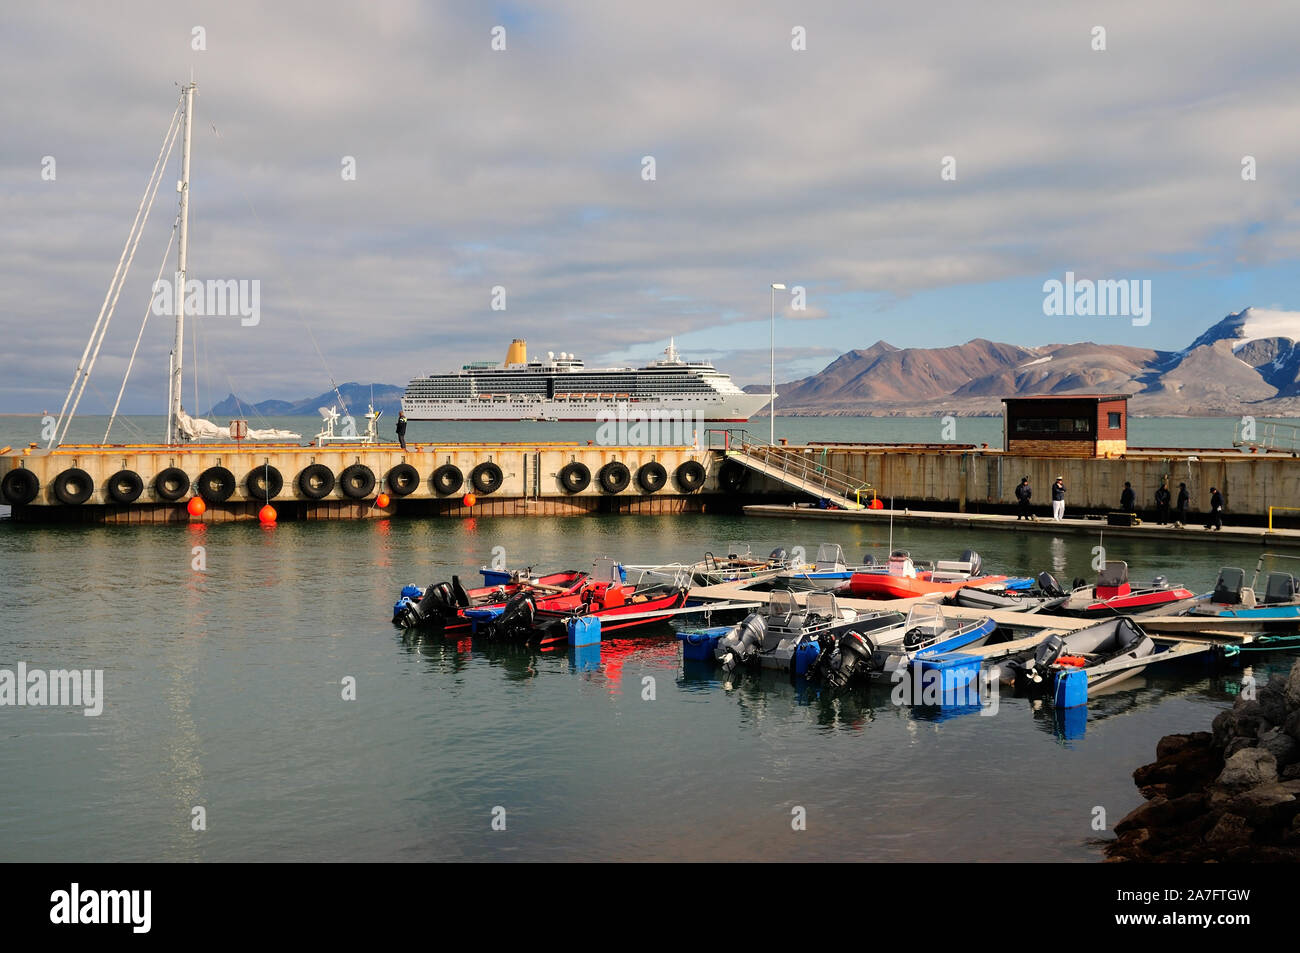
1160	582
462	598
1048	585
435	602
853	656
742	642
516	619
1048	651
778	556
972	557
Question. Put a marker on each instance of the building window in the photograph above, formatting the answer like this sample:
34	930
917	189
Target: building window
1114	421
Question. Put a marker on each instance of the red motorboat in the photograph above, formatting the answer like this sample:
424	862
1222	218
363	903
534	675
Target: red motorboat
1112	594
440	606
620	607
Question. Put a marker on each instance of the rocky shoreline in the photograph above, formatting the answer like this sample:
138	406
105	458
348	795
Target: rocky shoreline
1228	794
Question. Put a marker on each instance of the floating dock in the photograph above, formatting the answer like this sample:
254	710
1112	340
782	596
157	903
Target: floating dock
1041	524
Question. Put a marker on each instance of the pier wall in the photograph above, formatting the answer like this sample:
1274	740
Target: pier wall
963	479
529	480
975	480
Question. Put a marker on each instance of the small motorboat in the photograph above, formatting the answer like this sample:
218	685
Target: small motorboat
1036	670
738	563
900	578
439	605
829	571
788	637
926	633
620	606
1047	594
1231	598
1112	595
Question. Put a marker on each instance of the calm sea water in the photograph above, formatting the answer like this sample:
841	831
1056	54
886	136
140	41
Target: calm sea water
224	690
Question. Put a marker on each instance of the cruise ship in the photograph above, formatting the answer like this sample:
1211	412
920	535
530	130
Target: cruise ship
562	387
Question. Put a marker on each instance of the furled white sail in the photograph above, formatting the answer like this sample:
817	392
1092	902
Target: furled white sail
197	428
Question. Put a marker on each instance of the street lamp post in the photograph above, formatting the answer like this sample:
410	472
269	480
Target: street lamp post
771	405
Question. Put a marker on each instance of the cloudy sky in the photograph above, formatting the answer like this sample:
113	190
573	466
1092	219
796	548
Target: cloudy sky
525	168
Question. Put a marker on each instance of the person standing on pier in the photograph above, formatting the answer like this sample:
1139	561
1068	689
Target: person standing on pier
1162	505
1180	508
1023	494
1058	499
1216	510
401	428
1127	499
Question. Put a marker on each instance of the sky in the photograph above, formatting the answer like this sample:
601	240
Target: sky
919	170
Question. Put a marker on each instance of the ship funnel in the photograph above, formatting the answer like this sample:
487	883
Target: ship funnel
518	353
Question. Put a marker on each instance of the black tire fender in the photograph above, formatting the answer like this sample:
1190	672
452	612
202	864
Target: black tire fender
447	479
171	484
215	484
486	478
575	477
20	486
614	477
264	483
357	481
124	486
73	486
690	475
316	481
651	477
402	479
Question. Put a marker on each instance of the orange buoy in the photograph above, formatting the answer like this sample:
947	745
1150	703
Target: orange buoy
876	504
382	501
469	499
267	514
196	506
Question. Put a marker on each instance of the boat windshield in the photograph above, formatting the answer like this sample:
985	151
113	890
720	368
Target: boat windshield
738	551
829	556
782	605
925	615
823	604
1115	574
606	569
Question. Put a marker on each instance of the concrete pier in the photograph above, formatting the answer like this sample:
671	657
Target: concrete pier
153	484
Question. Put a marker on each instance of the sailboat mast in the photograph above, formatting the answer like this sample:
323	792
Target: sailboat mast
174	381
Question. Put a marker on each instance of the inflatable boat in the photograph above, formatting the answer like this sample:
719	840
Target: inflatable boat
1045	596
900	579
1036	670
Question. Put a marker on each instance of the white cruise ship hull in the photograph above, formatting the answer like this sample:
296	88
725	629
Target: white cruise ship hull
722	408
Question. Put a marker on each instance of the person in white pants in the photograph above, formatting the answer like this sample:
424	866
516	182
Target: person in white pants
1058	500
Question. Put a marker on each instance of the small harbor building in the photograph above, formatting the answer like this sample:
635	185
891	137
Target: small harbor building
1067	425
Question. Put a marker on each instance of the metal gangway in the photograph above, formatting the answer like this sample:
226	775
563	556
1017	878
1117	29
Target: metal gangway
1267	435
794	467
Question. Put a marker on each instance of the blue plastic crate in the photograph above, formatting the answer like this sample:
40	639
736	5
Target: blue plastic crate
699	645
955	671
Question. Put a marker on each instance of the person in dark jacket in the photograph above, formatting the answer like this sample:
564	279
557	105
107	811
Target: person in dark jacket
1023	494
401	428
1180	508
1058	499
1216	510
1162	505
1127	499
